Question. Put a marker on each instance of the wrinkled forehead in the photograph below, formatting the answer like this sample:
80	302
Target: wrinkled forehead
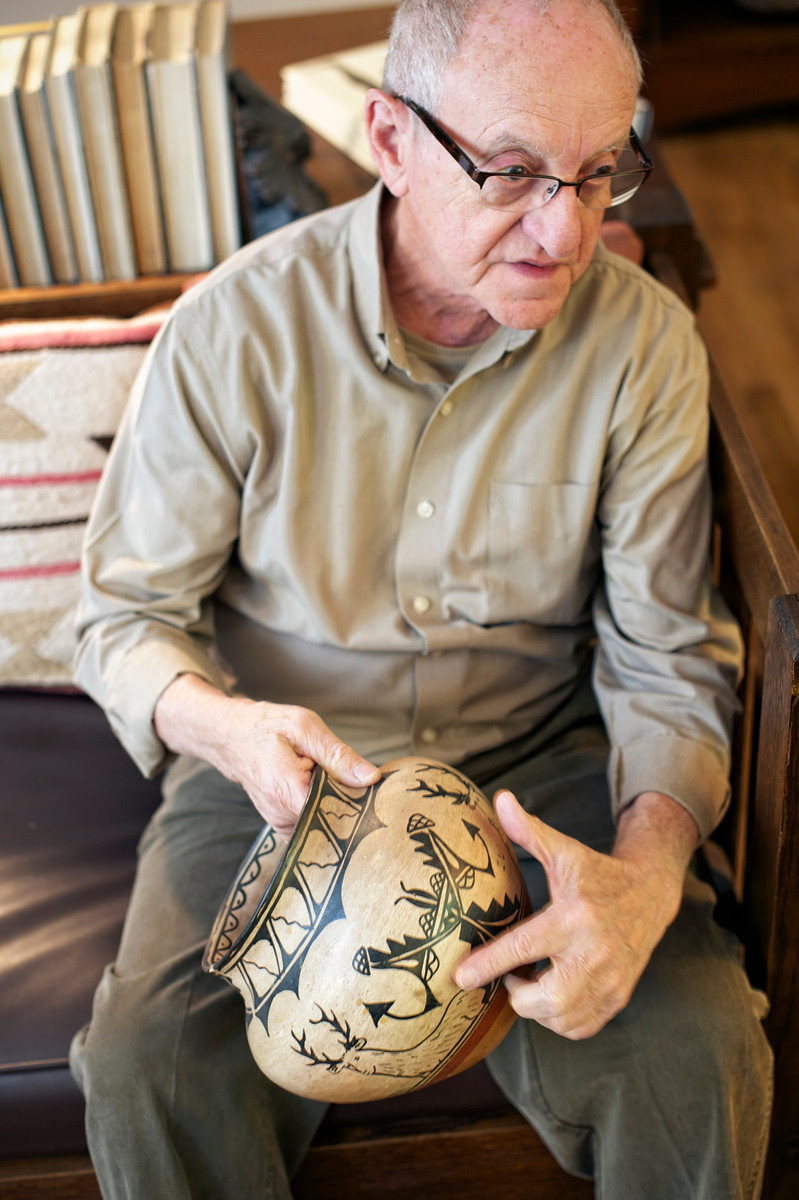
567	51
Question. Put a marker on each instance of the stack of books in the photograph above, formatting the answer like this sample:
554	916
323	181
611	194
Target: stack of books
329	95
117	155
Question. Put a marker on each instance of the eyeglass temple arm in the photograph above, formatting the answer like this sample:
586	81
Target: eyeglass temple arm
635	142
461	158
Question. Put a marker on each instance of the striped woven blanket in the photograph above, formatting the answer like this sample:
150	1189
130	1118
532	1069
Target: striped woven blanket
63	388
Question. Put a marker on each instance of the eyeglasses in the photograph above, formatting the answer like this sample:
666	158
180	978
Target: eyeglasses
517	190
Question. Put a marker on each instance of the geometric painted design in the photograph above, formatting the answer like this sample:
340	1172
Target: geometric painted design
444	909
236	912
309	895
344	961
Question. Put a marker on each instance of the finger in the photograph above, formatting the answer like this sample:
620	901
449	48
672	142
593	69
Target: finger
281	789
575	1027
527	998
567	1016
564	1001
527	830
533	1000
522	827
530	942
547	845
334	756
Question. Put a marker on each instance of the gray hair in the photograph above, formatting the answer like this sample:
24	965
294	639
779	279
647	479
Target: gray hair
426	35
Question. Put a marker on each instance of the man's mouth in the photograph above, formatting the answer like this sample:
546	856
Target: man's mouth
536	270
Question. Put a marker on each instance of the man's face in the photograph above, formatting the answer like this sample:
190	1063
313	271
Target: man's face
553	92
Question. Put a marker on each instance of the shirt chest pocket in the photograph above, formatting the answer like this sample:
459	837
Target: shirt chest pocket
543	552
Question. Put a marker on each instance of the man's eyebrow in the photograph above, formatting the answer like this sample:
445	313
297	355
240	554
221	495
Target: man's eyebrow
511	141
617	146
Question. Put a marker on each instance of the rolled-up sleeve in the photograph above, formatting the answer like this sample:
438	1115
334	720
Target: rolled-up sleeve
669	654
155	553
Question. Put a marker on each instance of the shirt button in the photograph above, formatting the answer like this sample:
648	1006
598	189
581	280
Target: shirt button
446	408
429	736
421	605
425	509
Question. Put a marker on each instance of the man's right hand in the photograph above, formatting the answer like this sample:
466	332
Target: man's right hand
270	749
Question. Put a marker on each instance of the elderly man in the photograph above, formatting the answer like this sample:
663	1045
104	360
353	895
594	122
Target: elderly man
426	473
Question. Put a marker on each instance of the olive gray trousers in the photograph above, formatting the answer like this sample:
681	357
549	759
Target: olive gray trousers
670	1101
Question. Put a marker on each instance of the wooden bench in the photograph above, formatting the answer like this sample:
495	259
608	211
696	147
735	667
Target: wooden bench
479	1155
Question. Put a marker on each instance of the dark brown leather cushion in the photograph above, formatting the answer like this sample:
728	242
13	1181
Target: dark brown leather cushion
72	807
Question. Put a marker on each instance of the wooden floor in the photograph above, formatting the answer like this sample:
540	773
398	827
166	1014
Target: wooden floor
742	184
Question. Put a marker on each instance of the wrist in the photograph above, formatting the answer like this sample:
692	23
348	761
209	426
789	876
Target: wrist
656	823
657	836
193	717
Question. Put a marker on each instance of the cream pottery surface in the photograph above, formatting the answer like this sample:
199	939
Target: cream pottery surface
344	959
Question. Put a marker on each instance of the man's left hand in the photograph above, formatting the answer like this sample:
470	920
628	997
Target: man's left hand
605	916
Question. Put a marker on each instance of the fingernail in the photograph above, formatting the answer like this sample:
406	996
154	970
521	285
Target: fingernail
466	978
365	772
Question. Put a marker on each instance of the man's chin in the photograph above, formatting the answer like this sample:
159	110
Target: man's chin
527	314
531	306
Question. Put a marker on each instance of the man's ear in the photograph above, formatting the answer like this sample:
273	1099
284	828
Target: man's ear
387	128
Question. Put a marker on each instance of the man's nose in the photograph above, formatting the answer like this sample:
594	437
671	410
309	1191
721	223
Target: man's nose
556	225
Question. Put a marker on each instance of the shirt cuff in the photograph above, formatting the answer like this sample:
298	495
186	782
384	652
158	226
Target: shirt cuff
694	774
143	674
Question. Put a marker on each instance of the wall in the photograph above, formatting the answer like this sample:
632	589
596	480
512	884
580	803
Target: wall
39	10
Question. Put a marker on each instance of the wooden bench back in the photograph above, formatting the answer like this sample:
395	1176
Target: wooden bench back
757	568
759	575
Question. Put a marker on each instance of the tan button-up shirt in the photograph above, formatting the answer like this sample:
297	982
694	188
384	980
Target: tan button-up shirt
431	566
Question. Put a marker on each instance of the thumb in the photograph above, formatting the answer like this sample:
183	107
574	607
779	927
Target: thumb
338	759
541	840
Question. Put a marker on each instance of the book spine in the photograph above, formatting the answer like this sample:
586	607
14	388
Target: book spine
181	164
69	146
100	134
49	185
220	156
19	197
8	269
138	154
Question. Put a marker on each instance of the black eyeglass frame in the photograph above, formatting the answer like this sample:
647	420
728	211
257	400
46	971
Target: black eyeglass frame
479	177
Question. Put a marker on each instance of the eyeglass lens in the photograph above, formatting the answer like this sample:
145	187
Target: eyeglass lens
601	191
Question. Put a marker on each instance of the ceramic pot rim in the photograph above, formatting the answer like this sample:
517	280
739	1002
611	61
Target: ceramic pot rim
217	964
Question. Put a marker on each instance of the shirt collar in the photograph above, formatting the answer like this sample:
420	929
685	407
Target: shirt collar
372	304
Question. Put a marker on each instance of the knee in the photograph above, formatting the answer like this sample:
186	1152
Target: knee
729	1051
708	1024
127	1042
725	1058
